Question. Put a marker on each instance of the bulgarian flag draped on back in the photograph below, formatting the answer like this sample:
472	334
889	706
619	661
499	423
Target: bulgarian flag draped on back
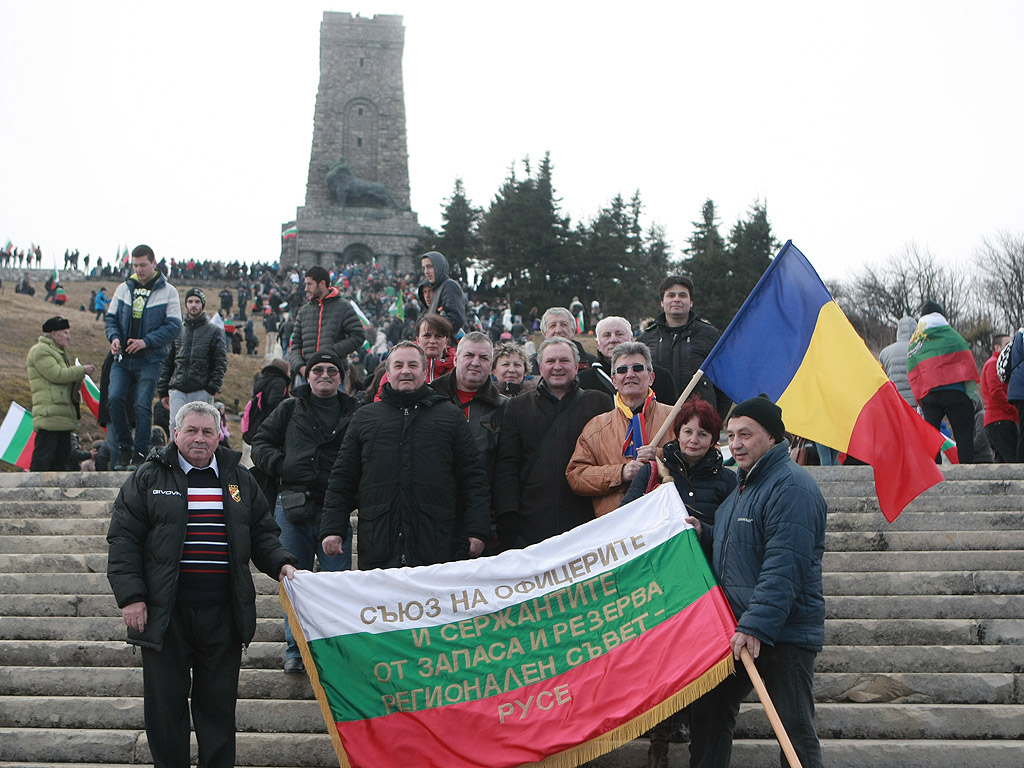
550	655
938	356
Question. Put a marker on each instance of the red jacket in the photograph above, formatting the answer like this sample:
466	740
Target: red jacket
993	392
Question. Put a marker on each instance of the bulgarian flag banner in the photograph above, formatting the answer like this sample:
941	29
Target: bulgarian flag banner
91	396
16	437
938	355
551	655
291	232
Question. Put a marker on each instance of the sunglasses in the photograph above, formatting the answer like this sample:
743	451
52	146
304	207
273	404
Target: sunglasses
325	371
635	367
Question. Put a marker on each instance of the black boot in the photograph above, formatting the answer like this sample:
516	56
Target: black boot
657	753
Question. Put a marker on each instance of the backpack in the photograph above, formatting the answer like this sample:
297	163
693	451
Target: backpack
253	416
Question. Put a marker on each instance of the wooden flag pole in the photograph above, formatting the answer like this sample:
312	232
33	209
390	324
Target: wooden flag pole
769	708
667	424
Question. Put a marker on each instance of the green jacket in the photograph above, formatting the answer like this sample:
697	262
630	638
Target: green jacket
55	387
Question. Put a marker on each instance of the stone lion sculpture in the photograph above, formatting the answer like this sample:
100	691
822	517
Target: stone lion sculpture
348	189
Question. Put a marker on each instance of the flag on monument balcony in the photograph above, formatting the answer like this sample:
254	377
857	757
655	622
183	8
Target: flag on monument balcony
290	233
549	655
16	437
791	341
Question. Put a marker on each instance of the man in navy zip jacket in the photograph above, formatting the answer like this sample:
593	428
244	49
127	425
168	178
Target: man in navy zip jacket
768	540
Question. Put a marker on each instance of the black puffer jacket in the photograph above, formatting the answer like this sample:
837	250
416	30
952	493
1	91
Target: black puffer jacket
485	414
198	359
291	444
682	351
702	487
329	324
534	492
411	466
147	534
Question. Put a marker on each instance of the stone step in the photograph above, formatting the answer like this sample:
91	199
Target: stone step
923	606
837	631
896	721
935	583
1006	486
117	653
887	564
939	520
47	545
951	472
905	659
102	629
867	502
22	553
912	632
50	746
44	526
62	509
62	479
56	493
844	659
911	688
92	748
127	681
83	582
885	540
97	605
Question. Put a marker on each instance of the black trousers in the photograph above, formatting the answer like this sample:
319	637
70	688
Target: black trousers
51	452
958	409
202	650
1002	435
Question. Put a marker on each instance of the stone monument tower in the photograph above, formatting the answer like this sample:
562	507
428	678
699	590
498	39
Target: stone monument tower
357	192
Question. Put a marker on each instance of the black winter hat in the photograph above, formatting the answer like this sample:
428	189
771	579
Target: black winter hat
764	412
324	356
198	292
55	323
932	306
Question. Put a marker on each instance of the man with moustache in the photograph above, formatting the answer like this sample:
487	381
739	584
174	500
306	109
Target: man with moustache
410	465
532	498
615	445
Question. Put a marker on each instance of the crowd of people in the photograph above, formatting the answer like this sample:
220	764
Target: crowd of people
450	436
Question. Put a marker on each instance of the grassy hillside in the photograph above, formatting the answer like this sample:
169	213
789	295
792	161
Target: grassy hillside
21	321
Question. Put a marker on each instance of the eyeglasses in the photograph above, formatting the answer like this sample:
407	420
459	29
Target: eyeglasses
635	367
321	370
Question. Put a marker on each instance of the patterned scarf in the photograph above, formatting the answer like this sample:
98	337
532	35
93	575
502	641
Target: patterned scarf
636	436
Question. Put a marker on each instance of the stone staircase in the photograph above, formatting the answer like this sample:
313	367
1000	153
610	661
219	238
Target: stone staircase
923	664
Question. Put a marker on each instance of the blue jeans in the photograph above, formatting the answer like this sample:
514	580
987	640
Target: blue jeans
122	376
788	673
303	541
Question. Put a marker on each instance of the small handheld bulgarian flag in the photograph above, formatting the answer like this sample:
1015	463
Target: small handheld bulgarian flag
579	321
17	440
363	319
548	656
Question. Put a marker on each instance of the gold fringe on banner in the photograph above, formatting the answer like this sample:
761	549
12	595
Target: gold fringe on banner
570	758
314	677
593	749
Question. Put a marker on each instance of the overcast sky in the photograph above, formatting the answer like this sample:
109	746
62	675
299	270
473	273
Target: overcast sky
188	125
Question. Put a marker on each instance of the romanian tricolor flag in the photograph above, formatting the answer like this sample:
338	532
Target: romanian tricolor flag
549	656
16	437
791	341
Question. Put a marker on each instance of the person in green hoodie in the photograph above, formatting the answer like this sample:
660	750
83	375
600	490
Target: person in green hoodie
55	395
